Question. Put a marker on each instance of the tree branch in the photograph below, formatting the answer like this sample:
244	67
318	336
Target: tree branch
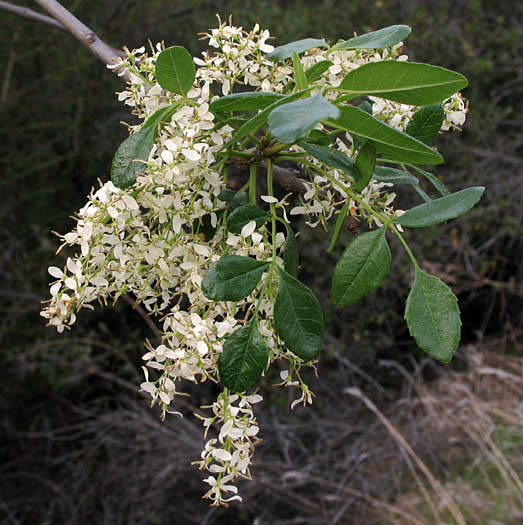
287	178
107	54
25	12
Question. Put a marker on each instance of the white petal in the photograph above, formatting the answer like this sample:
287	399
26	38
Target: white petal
167	156
55	289
191	154
148	387
219	453
165	397
202	347
268	198
248	229
130	202
55	272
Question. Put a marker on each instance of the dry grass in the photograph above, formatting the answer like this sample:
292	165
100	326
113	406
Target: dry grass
478	417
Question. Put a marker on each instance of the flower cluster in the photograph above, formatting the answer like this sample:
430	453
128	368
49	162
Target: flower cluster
147	241
229	456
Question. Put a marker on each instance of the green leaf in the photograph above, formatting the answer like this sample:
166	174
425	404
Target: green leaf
290	252
134	148
362	268
245	101
175	70
387	140
426	123
442	209
338	226
245	214
299	46
243	359
233	197
333	158
256	122
319	137
388	36
235	121
433	318
161	115
232	278
405	82
435	182
298	318
366	106
386	174
299	73
203	225
366	160
291	122
316	71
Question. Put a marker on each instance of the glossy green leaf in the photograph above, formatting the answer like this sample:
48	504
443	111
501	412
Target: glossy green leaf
405	82
290	252
316	71
299	73
442	209
394	176
137	147
233	197
362	268
433	317
333	158
426	123
232	278
298	318
226	194
291	122
256	122
175	70
340	220
245	214
243	359
388	36
387	140
365	160
245	101
126	161
299	46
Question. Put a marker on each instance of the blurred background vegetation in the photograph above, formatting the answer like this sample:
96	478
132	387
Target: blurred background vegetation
80	445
